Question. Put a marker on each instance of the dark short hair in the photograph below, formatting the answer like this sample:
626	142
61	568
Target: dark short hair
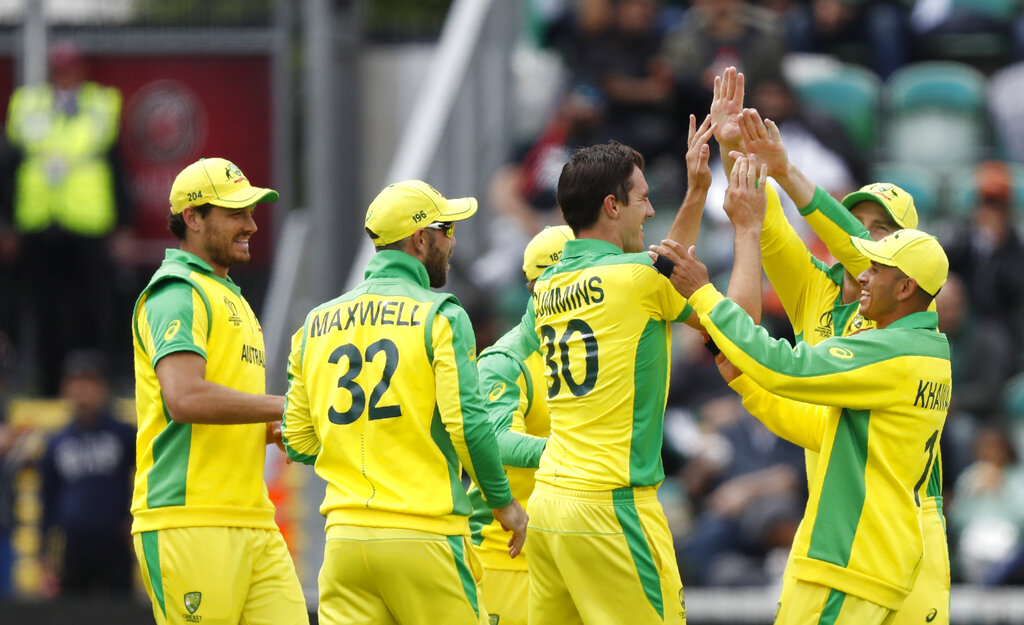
176	222
592	174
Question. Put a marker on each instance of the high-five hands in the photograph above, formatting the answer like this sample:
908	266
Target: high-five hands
698	152
745	199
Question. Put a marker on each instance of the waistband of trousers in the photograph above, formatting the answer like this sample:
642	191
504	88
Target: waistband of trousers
618	496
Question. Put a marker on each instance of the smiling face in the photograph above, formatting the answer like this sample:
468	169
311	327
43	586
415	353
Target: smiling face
223	237
633	214
878	222
879	288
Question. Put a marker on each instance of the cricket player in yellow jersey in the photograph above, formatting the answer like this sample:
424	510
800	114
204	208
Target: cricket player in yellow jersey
603	317
203	527
512	379
822	301
384	400
859	547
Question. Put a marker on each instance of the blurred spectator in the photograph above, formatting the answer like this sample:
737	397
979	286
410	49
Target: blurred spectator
874	33
87	474
986	514
522	192
932	20
714	35
66	212
635	81
982	359
743	483
9	465
988	254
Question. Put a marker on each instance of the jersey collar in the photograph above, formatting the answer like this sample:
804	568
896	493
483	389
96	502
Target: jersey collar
588	247
928	320
175	255
396	264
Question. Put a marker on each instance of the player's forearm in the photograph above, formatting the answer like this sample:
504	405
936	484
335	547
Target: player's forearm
745	281
797	186
686	225
520	450
205	402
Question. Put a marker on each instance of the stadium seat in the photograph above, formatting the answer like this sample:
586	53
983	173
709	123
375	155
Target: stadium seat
849	93
1006	107
920	182
937	116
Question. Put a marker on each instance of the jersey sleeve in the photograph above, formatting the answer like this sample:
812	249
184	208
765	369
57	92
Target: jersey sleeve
835	224
301	441
508	399
461	406
831	373
660	298
800	423
173	318
787	261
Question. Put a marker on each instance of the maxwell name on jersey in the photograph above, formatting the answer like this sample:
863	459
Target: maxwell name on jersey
366	312
932	395
577	294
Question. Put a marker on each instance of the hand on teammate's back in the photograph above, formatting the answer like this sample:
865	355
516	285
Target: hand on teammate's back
513	519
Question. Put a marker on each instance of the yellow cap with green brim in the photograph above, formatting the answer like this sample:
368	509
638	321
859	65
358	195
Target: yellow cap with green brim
402	208
545	249
897	202
216	181
915	253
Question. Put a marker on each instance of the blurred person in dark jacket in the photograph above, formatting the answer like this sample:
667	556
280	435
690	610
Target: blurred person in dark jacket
87	474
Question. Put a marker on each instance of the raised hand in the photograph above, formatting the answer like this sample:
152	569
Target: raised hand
726	106
764	139
698	173
745	199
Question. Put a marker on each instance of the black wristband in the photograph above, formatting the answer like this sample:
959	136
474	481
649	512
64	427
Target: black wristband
664	266
712	347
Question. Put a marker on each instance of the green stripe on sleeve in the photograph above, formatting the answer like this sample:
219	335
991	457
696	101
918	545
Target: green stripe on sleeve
842	493
629	519
465	575
151	550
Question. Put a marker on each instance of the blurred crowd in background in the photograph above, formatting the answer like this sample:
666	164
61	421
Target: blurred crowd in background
923	94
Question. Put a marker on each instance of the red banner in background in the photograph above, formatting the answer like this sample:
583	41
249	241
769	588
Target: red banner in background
177	109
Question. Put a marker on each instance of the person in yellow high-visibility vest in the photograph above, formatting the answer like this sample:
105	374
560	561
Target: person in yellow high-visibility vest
66	208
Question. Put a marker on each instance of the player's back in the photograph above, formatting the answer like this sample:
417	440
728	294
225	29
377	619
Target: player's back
603	320
368	365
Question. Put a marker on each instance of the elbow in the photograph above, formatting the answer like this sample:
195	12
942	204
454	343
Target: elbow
178	409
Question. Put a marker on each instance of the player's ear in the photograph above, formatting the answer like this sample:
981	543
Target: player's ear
610	206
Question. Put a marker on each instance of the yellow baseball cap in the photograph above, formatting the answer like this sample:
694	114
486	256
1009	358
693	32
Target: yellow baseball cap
897	202
215	181
915	253
544	250
402	208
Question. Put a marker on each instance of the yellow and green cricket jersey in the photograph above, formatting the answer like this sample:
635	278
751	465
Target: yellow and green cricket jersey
195	474
512	380
384	400
603	318
811	292
886	394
